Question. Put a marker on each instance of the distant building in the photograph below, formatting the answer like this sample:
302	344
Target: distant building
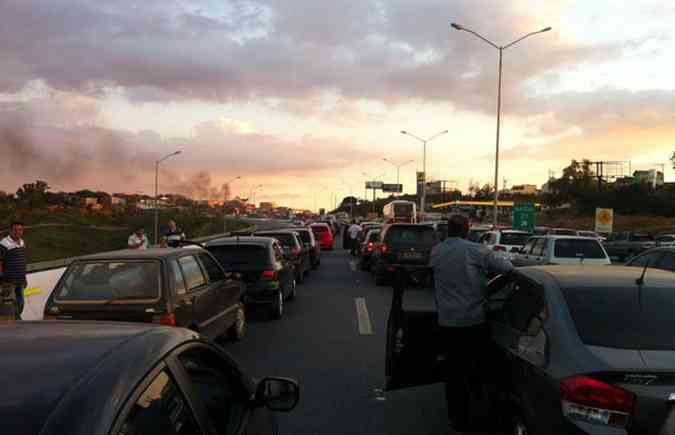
651	176
90	201
524	189
118	201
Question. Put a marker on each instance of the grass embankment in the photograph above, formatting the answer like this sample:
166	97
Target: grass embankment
51	236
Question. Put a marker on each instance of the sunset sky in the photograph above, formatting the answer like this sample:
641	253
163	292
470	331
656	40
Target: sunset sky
298	95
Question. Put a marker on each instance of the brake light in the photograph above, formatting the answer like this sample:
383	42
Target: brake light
595	401
370	247
269	275
499	248
165	319
384	248
295	250
49	318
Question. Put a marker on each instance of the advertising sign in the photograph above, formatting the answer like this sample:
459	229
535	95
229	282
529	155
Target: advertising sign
374	184
392	188
524	217
604	220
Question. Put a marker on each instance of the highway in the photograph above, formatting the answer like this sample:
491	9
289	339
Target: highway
336	350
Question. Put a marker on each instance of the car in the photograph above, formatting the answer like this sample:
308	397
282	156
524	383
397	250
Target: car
505	242
540	250
577	349
593	234
309	240
562	232
183	287
476	231
268	274
294	249
368	247
658	258
124	378
323	234
627	244
408	244
665	240
441	228
367	227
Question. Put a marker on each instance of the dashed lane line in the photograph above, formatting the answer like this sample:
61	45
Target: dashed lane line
363	318
352	265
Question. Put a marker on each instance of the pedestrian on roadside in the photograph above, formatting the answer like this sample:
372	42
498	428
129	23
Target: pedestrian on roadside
354	230
13	263
461	270
138	240
173	236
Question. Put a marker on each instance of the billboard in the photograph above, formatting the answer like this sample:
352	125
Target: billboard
392	188
374	184
604	220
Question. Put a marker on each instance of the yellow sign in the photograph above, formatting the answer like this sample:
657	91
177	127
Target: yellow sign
604	220
30	291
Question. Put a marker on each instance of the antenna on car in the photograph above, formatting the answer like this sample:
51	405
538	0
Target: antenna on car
641	280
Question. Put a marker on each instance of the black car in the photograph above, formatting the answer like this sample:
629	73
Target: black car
294	249
408	244
260	261
307	236
178	287
368	248
659	258
577	349
88	378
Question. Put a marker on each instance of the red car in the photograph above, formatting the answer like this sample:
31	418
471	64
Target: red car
323	235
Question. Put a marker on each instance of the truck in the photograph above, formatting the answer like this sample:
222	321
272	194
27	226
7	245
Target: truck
400	211
627	244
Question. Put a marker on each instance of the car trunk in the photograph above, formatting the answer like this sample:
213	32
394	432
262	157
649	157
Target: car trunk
247	260
113	311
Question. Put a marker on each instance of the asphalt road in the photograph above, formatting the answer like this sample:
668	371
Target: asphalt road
338	360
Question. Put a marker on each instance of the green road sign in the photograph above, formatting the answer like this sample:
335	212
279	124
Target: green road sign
524	217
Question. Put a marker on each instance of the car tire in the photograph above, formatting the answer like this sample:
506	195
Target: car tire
238	329
278	305
293	291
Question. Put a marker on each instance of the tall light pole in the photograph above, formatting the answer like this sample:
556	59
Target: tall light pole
238	177
398	167
501	49
175	153
254	190
424	166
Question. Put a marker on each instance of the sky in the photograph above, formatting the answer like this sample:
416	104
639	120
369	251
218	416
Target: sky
305	97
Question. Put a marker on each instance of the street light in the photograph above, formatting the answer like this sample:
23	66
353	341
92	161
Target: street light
398	167
175	153
253	191
424	165
501	49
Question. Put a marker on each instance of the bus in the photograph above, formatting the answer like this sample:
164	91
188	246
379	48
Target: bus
400	211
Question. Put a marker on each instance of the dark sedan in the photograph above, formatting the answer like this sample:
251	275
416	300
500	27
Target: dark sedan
409	244
101	378
178	287
579	349
310	241
294	249
268	274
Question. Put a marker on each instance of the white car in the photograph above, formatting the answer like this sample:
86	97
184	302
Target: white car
549	249
505	242
665	240
592	234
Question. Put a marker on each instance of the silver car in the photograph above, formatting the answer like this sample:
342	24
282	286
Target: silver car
541	250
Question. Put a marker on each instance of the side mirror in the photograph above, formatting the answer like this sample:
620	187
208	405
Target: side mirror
278	394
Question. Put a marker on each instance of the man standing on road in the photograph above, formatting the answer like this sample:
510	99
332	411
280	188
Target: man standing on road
353	231
138	240
13	262
461	271
173	236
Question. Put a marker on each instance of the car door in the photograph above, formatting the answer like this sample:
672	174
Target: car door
413	354
225	292
220	391
198	297
538	253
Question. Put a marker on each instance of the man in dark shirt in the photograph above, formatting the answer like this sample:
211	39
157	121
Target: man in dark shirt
13	262
173	236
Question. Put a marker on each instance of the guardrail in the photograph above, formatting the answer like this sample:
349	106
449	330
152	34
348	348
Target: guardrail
64	262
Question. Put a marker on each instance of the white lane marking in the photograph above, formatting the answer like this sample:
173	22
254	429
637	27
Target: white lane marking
352	265
363	317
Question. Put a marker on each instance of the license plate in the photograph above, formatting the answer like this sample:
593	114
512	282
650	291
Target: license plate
411	255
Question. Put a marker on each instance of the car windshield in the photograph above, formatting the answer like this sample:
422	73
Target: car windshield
517	239
419	235
622	318
232	256
110	280
578	248
286	239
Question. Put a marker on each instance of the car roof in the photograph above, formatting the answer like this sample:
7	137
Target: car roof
139	254
605	276
241	240
558	236
56	367
320	224
511	231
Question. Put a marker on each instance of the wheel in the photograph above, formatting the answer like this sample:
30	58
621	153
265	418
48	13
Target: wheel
238	328
293	291
278	305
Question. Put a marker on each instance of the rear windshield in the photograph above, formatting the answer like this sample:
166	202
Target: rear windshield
286	239
232	256
518	239
421	234
578	248
304	236
403	209
113	280
621	318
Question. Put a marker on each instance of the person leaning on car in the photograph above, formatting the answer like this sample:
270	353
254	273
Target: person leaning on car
461	272
13	263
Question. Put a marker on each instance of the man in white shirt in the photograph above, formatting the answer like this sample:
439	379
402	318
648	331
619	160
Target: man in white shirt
354	230
138	240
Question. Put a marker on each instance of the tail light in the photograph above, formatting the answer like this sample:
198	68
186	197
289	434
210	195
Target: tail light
384	248
47	317
588	399
165	319
370	247
499	248
295	250
270	275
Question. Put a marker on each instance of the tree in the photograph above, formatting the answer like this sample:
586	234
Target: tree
33	195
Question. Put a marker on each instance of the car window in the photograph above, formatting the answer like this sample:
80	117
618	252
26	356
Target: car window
492	239
416	235
178	280
278	252
523	304
648	258
517	239
667	262
194	277
578	248
216	387
235	257
286	239
161	409
528	246
539	247
213	270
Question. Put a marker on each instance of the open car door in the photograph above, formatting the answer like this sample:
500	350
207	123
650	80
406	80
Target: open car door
413	353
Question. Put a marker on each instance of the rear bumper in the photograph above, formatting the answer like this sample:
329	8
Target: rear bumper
262	293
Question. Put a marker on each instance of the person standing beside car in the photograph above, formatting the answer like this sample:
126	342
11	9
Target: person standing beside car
13	263
138	240
173	236
354	230
461	271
